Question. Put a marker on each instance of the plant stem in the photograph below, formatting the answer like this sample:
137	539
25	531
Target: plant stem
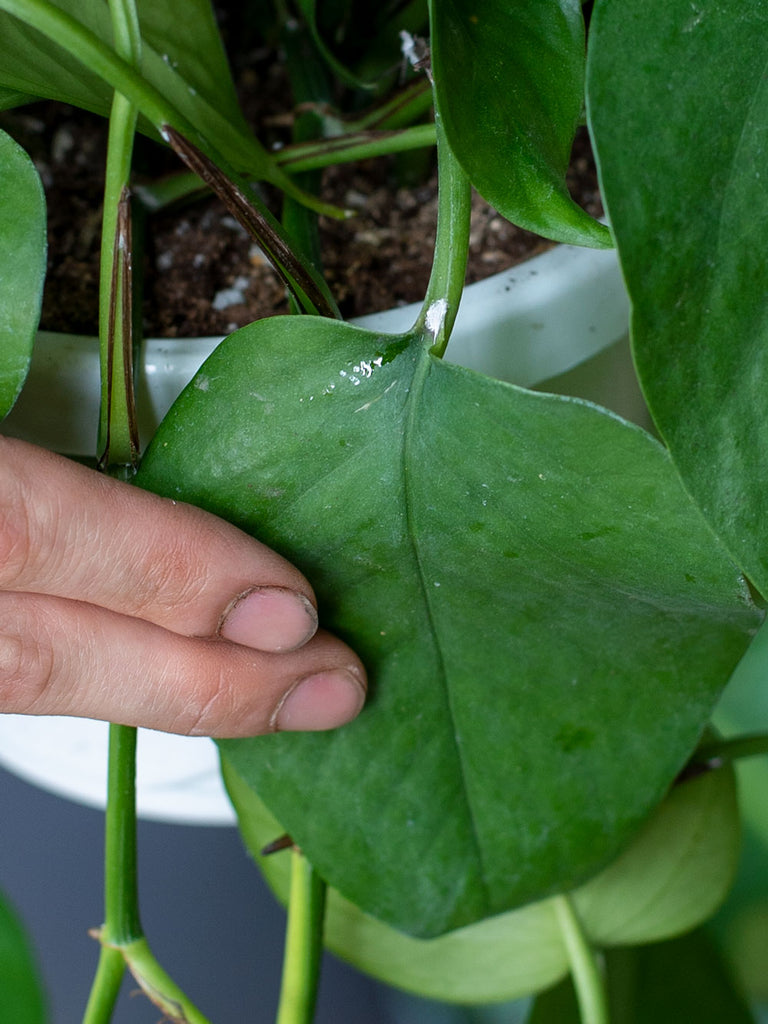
399	111
118	434
158	986
344	149
106	986
721	751
121	923
585	970
303	943
307	285
446	281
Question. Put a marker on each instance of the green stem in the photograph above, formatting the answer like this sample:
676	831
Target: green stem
344	149
175	188
303	944
121	901
118	434
121	923
585	970
106	986
158	986
122	940
721	751
446	281
403	109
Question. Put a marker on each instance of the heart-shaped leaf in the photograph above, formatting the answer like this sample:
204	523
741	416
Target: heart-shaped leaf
546	619
509	87
22	266
678	101
669	879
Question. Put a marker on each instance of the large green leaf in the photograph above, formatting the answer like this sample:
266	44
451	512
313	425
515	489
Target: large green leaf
546	619
678	101
509	87
22	1000
669	879
22	265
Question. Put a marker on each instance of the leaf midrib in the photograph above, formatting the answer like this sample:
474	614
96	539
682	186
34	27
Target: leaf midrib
422	368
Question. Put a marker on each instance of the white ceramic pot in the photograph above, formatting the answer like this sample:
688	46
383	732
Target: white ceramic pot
525	325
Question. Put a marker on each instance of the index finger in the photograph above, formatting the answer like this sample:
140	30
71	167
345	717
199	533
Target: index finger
67	531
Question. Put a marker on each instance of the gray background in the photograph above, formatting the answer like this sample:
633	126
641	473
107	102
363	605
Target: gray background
206	911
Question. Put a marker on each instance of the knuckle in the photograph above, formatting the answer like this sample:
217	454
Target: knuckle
26	669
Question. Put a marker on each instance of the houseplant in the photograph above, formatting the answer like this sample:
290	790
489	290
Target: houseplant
520	550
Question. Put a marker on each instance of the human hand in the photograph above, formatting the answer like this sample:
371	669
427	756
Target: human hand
121	605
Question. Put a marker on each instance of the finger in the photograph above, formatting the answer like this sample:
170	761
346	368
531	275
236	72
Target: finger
70	532
60	657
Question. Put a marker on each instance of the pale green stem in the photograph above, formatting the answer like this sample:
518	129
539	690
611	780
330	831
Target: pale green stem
585	969
158	986
118	439
303	944
446	281
345	149
399	111
106	986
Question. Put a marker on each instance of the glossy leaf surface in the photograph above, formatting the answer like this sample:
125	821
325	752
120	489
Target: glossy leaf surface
538	603
667	878
509	86
22	265
22	1000
678	102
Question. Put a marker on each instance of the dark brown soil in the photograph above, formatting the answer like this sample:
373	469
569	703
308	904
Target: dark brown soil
205	276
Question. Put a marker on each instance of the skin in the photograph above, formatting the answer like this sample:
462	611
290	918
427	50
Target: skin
121	605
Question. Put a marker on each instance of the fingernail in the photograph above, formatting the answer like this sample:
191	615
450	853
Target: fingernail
324	700
269	619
